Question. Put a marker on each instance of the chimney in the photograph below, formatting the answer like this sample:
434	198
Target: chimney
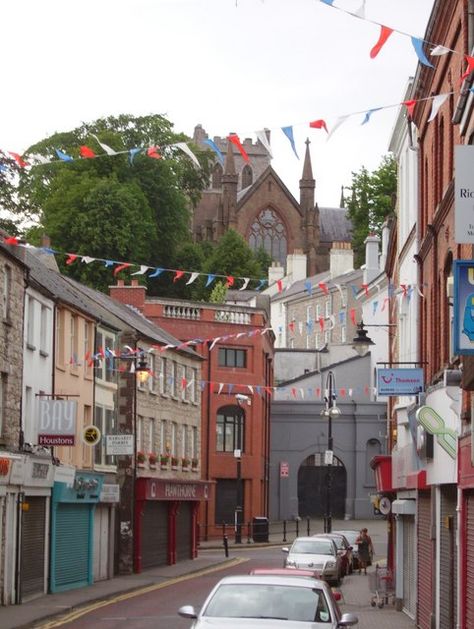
372	268
385	241
296	265
341	259
133	295
275	272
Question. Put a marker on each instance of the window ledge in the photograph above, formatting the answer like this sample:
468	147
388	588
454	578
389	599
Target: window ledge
30	346
153	392
44	353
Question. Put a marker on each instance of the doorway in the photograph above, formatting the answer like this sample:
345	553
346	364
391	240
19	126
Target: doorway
312	483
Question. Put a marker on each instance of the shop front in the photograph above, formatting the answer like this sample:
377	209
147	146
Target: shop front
104	531
72	530
166	521
466	531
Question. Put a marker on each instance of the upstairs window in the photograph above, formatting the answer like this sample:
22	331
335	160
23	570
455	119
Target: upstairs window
7	290
268	232
230	429
247	176
217	176
229	357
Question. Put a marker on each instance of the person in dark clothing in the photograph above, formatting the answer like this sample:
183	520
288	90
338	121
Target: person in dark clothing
365	548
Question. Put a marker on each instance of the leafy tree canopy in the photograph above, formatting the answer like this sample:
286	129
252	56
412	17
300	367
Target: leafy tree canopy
371	202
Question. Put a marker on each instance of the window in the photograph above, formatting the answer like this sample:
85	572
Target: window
247	176
268	232
7	289
318	312
60	340
163	376
373	448
73	360
309	311
317	340
151	435
139	436
194	442
152	383
163	446
184	442
88	339
105	368
217	176
230	429
185	390
327	306
229	357
105	421
174	440
44	332
174	378
3	400
30	324
343	334
194	387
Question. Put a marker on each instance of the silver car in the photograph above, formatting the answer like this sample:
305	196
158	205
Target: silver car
316	553
269	602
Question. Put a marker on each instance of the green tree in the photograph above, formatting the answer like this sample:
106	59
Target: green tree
218	293
371	202
122	207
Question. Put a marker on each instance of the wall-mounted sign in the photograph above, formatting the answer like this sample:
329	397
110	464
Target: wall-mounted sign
284	469
110	493
464	194
91	435
118	444
57	422
463	324
385	505
433	423
400	381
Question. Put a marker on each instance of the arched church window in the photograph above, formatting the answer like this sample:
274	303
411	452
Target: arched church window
268	231
217	176
247	176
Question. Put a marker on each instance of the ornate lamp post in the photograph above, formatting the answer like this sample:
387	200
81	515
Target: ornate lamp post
331	411
241	399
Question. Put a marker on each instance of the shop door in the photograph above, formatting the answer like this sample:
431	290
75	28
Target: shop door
469	559
425	561
409	565
184	523
226	501
71	547
101	542
33	535
154	534
447	558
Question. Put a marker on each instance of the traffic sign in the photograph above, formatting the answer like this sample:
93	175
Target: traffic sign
284	469
385	505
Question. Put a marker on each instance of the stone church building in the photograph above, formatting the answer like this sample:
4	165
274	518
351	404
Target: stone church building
251	198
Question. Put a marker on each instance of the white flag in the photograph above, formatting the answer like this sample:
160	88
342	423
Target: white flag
143	269
221	386
193	278
246	283
87	259
262	136
107	149
337	124
436	105
185	148
437	51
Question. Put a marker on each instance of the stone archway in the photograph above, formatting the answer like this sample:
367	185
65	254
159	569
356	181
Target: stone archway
312	477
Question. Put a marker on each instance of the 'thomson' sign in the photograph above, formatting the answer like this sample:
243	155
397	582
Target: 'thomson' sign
57	422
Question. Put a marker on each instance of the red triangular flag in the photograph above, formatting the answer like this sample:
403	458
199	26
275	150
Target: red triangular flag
72	257
352	313
236	142
321	323
385	33
120	267
153	152
410	105
11	240
470	67
324	287
280	285
292	326
18	159
230	281
86	152
318	124
178	275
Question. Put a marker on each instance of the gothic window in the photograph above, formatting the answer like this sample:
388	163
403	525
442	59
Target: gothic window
247	177
217	176
268	231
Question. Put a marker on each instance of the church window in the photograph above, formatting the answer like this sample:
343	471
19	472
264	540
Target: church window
268	231
217	176
247	177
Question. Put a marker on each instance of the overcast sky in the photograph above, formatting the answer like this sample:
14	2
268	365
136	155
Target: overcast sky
229	65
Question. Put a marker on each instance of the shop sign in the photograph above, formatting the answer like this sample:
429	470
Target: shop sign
463	324
118	445
175	490
65	474
38	473
110	493
57	422
91	435
394	382
464	194
434	424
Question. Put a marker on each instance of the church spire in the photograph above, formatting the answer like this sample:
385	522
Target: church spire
307	169
230	180
342	202
229	165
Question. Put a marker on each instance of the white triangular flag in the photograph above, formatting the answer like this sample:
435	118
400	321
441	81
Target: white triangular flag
436	104
246	283
39	159
262	136
336	125
437	51
87	259
193	278
360	11
107	149
250	388
216	340
221	386
185	148
143	269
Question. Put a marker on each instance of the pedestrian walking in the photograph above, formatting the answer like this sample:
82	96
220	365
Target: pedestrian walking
365	549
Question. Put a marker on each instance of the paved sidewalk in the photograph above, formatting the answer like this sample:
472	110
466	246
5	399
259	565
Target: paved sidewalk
355	588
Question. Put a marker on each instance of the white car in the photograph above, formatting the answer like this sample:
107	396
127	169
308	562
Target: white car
269	602
315	553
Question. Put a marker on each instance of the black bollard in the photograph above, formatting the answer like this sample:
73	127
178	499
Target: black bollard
297	527
284	530
307	527
226	546
249	534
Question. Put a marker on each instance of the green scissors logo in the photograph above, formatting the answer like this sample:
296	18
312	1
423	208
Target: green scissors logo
435	425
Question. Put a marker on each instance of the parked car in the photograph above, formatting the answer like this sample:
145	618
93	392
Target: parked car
344	549
318	553
269	602
351	537
294	572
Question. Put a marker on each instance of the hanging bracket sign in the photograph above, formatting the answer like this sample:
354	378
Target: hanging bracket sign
57	422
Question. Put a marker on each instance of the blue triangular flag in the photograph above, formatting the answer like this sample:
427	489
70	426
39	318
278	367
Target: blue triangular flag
342	316
131	155
231	386
63	156
258	390
261	284
418	46
157	272
216	150
355	290
368	114
109	263
288	131
210	279
308	286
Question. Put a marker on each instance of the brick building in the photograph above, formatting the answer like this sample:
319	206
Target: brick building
252	199
231	366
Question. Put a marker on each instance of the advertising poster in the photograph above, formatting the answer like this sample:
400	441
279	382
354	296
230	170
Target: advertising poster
463	324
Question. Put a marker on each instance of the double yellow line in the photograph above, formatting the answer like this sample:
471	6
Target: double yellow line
74	615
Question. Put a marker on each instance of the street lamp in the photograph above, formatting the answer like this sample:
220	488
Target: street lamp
330	411
241	400
361	342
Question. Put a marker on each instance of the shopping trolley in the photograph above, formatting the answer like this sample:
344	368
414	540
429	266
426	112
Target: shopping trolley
382	585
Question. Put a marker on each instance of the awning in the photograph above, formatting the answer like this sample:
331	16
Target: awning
404	507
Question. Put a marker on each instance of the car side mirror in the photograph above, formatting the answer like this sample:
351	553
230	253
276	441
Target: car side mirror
347	620
351	548
187	611
285	549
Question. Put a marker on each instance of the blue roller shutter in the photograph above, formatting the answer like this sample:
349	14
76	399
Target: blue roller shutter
72	538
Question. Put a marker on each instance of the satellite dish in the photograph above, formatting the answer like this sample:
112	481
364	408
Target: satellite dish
385	505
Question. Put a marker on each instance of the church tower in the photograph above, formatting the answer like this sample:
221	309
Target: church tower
310	210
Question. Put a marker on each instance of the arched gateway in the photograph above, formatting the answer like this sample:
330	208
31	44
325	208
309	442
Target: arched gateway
312	484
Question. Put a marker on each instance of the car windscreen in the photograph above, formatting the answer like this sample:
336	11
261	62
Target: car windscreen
313	547
351	536
255	600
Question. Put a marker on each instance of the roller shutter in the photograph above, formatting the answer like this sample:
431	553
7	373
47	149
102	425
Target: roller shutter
469	558
409	565
447	558
425	561
184	531
154	534
72	539
33	534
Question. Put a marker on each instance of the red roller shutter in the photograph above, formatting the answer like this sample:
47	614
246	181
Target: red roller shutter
469	558
425	561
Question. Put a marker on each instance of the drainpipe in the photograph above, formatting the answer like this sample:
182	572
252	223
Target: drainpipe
208	429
